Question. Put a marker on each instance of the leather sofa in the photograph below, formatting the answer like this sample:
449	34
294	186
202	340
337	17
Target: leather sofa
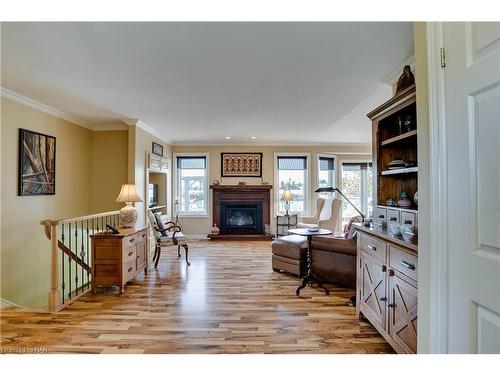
334	258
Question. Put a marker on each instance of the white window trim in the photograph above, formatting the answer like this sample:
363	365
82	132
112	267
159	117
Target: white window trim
362	182
176	183
307	189
335	172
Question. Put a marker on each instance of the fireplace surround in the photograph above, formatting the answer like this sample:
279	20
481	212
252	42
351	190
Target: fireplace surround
241	211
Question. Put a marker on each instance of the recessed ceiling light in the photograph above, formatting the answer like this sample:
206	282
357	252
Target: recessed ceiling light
254	137
228	137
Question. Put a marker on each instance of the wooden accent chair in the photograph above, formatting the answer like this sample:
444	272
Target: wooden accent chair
327	214
167	235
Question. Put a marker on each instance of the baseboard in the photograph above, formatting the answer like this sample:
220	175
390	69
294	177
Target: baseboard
4	304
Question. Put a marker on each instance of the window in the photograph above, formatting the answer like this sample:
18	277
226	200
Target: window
326	173
357	187
292	175
192	185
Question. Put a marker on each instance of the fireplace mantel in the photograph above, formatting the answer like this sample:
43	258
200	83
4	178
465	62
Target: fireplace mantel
242	193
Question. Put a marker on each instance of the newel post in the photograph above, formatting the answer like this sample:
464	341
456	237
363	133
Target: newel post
55	292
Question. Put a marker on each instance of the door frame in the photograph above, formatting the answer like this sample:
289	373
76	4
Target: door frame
438	236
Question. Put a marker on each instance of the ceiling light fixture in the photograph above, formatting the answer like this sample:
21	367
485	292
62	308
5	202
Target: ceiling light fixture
254	137
228	137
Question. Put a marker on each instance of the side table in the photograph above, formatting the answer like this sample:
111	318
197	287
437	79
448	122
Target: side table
310	276
285	222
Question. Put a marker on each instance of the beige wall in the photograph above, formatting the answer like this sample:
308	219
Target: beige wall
424	286
142	146
109	169
24	253
202	225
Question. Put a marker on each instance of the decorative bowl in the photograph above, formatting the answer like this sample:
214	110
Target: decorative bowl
397	229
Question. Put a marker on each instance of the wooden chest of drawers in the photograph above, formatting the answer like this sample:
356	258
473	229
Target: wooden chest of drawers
117	258
386	286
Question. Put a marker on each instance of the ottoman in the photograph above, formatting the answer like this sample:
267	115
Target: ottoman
289	254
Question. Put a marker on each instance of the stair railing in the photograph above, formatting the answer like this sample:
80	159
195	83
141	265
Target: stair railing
70	255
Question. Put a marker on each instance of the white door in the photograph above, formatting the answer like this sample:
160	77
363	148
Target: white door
472	89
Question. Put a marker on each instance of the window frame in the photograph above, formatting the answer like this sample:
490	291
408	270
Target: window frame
177	180
307	181
320	155
363	184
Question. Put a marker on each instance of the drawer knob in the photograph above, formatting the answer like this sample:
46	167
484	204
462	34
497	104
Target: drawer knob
383	299
381	216
130	254
407	265
372	248
393	219
131	240
391	305
130	269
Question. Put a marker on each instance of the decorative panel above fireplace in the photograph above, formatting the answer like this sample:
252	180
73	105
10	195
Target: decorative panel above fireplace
241	211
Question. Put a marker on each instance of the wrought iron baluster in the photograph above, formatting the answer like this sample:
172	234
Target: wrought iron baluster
88	249
69	260
76	253
63	285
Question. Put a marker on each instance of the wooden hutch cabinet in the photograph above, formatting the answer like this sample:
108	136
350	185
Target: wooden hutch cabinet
387	272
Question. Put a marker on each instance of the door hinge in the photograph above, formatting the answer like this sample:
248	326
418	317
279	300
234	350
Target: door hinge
443	58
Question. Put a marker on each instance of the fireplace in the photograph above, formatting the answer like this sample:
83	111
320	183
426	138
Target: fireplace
241	218
242	212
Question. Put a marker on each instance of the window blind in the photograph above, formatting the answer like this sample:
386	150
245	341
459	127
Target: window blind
352	167
292	163
191	162
326	164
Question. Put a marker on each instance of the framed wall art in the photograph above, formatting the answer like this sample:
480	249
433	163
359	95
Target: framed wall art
236	164
37	163
157	149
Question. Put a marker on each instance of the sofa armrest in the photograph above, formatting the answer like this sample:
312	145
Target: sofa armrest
335	245
308	220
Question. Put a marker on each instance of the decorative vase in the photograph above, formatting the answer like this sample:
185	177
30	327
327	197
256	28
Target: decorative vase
415	198
404	201
128	215
215	229
267	229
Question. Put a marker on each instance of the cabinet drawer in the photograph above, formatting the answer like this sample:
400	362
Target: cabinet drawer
404	262
409	219
129	241
129	269
380	216
129	254
373	247
392	216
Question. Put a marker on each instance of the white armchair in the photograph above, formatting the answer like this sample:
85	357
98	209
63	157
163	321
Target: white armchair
327	214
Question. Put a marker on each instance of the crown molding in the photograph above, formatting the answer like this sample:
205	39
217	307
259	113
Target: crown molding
150	130
393	77
109	127
34	104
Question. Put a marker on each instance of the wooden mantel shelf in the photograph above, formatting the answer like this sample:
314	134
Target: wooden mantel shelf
241	187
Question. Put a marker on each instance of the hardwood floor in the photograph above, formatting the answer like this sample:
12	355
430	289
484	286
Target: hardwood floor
228	301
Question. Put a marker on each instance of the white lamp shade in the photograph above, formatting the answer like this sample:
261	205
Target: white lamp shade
128	193
286	196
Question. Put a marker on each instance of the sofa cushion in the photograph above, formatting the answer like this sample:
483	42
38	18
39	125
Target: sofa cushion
293	246
336	245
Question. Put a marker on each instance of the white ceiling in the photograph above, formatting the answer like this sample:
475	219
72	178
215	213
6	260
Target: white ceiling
196	83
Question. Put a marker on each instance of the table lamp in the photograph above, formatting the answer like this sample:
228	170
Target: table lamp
128	213
287	197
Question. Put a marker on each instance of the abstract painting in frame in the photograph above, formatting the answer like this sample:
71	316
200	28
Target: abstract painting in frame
236	164
37	163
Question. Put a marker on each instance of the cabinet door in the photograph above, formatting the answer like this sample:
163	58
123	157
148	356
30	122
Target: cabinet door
372	291
141	254
403	313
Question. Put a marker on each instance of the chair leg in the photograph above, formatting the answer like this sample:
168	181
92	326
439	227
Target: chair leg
178	251
185	246
158	257
156	252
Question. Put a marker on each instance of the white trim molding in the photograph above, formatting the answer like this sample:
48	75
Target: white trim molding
147	128
438	339
34	104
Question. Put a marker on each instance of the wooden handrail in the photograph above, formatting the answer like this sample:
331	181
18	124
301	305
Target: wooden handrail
80	218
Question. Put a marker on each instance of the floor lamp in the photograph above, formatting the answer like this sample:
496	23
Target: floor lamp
331	189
